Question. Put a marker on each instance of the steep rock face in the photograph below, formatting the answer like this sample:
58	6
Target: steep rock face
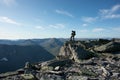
109	47
52	45
75	51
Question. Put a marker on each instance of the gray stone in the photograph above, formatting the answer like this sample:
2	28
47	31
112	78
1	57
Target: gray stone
116	74
78	78
109	47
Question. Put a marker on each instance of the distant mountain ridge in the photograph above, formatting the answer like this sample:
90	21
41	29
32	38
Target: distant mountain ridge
52	45
14	53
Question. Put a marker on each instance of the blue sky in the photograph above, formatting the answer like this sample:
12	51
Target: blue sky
26	19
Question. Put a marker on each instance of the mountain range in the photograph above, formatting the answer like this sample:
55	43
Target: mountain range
14	53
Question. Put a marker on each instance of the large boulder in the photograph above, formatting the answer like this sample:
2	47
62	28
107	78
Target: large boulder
109	47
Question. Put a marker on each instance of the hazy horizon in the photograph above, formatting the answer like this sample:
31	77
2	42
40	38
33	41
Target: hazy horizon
57	38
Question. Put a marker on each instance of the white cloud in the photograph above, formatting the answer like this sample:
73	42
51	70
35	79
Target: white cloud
64	13
112	16
84	30
115	8
110	13
57	26
84	25
8	2
8	20
98	30
89	19
40	27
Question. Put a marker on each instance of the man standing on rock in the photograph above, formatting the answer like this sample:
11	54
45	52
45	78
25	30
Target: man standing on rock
72	36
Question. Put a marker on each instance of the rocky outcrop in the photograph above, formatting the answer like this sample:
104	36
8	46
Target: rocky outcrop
75	51
109	47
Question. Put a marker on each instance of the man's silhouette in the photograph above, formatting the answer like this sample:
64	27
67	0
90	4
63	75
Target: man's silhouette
72	36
